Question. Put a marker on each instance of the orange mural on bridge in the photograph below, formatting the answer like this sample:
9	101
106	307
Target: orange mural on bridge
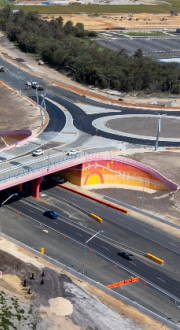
112	172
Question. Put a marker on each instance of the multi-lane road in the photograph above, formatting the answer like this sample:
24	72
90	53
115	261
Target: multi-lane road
120	231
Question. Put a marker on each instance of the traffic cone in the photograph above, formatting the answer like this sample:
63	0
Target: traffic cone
152	226
64	237
17	213
90	251
144	283
40	225
115	266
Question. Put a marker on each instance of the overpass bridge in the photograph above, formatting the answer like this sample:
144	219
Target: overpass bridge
81	169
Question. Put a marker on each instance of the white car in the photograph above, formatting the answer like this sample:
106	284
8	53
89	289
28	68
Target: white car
72	152
28	83
38	152
58	179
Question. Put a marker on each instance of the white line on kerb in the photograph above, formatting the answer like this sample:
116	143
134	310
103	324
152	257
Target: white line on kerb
105	247
160	279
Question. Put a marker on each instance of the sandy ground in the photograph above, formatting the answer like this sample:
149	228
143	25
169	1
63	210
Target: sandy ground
58	303
17	112
116	21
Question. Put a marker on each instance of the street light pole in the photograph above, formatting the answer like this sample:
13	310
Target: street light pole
169	94
159	129
74	77
109	79
85	246
1	208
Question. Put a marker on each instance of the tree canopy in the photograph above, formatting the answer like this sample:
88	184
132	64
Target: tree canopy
62	45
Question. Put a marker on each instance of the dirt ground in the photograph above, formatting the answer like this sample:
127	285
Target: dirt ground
116	21
58	303
17	112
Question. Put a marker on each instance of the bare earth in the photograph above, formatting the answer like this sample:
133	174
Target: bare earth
17	112
111	21
58	303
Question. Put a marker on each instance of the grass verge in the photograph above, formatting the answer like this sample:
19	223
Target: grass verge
102	9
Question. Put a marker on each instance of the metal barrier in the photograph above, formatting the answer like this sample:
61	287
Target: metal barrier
142	212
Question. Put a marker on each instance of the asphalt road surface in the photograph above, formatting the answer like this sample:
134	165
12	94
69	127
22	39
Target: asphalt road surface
151	46
82	121
101	245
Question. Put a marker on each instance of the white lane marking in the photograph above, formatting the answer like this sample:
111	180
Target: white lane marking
120	219
160	279
78	234
172	243
105	247
133	263
146	231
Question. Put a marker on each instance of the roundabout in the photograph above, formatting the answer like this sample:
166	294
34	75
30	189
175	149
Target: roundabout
144	127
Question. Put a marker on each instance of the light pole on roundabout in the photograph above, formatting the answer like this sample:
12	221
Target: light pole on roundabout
159	129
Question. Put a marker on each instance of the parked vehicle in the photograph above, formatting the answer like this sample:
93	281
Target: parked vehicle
72	152
51	214
126	255
38	152
58	179
40	62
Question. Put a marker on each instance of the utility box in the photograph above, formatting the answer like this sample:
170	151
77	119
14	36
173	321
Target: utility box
177	30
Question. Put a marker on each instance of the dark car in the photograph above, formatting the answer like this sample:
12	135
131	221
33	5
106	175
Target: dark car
51	214
126	255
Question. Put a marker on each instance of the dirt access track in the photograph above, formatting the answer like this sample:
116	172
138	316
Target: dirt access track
117	21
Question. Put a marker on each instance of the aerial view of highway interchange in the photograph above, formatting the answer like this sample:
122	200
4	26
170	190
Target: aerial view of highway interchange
89	171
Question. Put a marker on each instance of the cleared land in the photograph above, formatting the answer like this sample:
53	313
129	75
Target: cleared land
58	303
142	21
17	112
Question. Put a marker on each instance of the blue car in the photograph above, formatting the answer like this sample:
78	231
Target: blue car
51	214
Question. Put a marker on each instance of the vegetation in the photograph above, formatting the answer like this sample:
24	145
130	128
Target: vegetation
65	45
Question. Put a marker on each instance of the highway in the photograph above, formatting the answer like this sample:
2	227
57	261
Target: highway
105	246
131	232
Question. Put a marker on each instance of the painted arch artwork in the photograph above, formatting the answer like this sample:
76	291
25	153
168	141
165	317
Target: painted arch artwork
120	171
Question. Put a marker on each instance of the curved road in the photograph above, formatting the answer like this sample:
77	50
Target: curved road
82	121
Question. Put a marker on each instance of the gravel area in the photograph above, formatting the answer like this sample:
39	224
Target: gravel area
147	126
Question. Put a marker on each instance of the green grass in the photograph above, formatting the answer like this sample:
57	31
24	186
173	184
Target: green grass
3	3
103	9
100	49
143	33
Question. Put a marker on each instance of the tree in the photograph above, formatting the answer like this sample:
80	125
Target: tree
138	53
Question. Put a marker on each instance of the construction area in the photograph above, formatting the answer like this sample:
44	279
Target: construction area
139	22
